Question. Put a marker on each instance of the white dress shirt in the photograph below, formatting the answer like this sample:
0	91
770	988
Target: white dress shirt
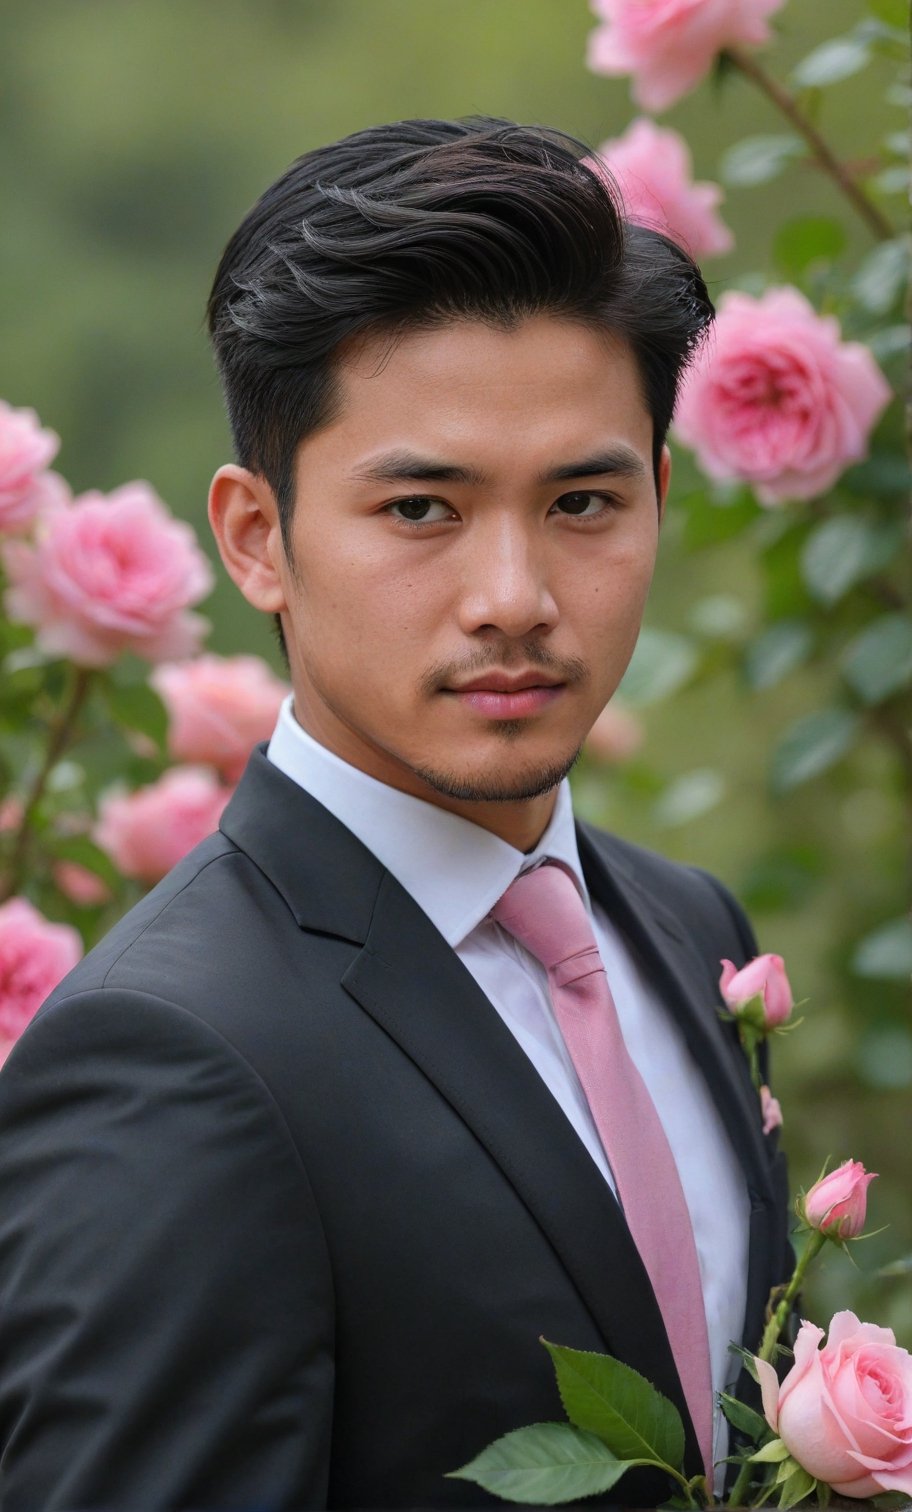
456	871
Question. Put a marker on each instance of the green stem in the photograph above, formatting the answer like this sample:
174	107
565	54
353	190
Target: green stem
873	218
61	731
778	1319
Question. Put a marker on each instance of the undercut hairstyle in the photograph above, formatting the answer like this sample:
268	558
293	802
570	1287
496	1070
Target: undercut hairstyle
418	224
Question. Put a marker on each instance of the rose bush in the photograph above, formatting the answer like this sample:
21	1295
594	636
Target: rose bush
219	707
776	398
668	46
652	168
109	574
147	832
844	1412
34	956
26	449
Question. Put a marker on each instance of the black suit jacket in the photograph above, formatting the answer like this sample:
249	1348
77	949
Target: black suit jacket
284	1209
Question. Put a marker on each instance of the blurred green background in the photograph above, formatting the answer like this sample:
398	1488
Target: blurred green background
135	133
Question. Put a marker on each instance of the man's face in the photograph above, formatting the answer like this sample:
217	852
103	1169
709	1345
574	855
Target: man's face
472	544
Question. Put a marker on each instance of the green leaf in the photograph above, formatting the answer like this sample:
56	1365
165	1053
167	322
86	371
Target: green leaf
894	12
881	277
885	475
661	663
842	552
878	662
758	159
778	651
805	240
771	1453
886	953
836	59
811	746
544	1465
743	1417
136	706
609	1398
796	1487
689	796
710	520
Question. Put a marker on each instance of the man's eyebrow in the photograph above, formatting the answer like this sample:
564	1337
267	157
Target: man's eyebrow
410	467
616	461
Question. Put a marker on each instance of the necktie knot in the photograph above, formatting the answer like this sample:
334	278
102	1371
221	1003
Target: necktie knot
544	912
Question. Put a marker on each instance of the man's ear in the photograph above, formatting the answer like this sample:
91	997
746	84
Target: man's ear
664	480
244	517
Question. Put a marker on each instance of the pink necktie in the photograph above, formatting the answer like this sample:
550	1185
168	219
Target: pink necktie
546	914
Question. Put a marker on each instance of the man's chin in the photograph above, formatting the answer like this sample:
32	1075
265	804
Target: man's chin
501	786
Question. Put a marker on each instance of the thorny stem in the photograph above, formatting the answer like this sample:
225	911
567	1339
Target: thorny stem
61	731
876	222
778	1319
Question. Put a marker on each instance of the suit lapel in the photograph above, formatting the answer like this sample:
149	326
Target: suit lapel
414	985
688	987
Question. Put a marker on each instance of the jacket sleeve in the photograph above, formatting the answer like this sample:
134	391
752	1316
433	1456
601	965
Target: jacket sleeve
166	1309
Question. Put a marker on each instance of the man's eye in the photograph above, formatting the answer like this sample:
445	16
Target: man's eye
420	510
582	505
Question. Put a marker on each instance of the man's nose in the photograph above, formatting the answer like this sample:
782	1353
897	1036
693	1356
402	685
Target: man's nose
505	584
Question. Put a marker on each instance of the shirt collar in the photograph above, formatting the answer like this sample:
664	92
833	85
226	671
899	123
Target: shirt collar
455	870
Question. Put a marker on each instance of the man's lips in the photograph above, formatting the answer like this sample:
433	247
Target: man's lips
503	695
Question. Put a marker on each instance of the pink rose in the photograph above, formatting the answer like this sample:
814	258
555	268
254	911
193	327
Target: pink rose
107	575
218	708
763	977
147	832
25	451
83	887
34	957
770	1111
654	172
776	399
837	1204
616	735
668	46
844	1412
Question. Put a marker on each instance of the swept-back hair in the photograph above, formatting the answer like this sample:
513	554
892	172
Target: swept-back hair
418	223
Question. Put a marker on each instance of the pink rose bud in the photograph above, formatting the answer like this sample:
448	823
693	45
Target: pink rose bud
844	1412
25	451
34	956
653	170
668	46
837	1204
777	399
218	708
147	832
770	1111
107	575
764	977
81	886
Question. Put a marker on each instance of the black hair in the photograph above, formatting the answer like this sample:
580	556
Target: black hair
418	223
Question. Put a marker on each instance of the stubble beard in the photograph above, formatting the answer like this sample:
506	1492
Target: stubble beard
518	789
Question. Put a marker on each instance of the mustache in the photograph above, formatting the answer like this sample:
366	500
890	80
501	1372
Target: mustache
565	669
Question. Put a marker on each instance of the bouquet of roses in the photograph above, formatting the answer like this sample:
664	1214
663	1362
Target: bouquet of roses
840	1419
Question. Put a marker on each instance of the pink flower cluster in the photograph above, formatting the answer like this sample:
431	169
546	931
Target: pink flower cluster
776	399
110	574
218	707
844	1412
34	956
653	170
668	46
26	487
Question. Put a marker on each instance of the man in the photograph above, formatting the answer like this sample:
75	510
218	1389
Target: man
302	1160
